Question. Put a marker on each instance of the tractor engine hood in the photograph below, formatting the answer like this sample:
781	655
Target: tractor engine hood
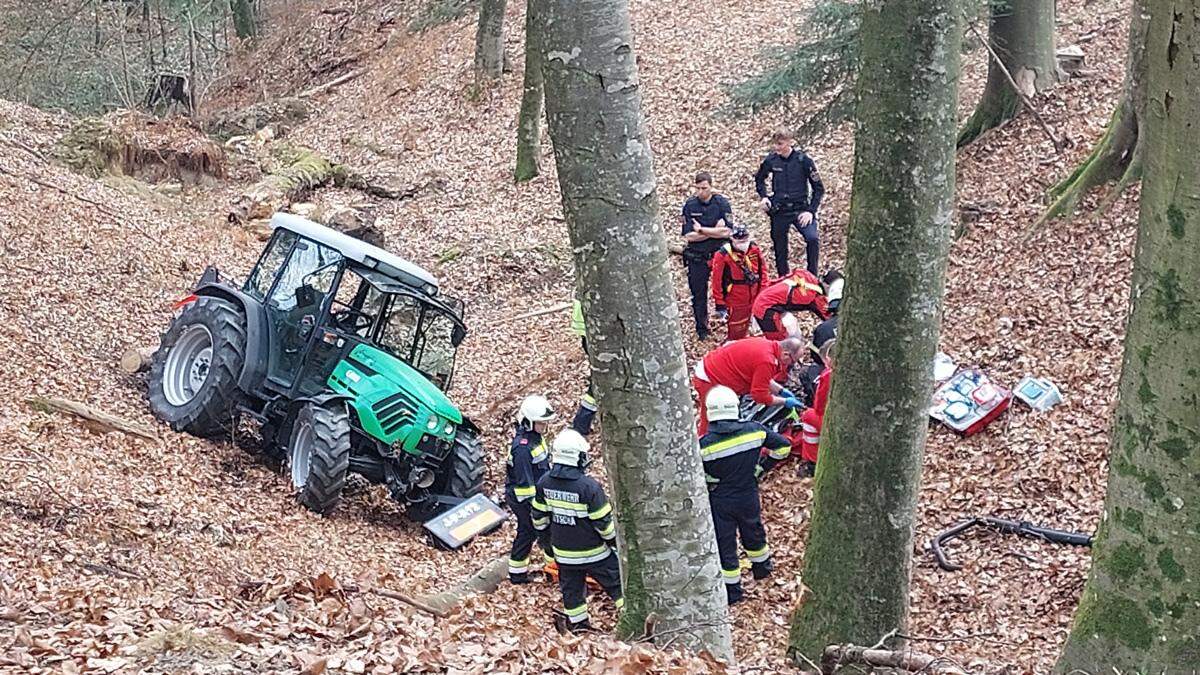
393	399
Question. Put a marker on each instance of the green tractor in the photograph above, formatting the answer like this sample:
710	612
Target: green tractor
343	352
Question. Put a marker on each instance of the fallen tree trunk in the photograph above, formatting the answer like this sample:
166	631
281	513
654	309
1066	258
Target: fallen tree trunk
136	359
85	411
837	656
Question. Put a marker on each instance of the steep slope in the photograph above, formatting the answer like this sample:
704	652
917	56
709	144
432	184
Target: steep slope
139	554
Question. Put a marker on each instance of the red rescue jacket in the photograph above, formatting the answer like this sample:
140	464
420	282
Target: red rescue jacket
747	367
798	291
737	278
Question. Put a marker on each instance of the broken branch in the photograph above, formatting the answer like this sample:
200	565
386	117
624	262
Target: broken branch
409	600
87	412
321	88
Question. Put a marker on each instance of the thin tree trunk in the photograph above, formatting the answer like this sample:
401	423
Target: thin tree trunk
605	168
1117	155
529	122
1021	32
489	39
858	557
1139	610
245	18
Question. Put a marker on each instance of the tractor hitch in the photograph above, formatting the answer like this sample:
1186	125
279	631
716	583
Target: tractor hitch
1003	526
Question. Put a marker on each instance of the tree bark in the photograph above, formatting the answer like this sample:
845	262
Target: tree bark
489	39
605	168
1139	610
858	557
1117	155
245	18
1021	32
529	122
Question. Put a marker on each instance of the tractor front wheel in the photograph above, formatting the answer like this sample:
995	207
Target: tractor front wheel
194	373
466	466
319	454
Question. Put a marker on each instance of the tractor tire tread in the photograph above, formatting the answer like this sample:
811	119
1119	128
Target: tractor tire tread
330	460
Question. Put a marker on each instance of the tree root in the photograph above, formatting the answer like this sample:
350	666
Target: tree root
1116	157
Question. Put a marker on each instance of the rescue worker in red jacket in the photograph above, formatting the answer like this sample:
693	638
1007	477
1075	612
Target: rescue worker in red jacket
754	366
738	275
734	462
813	419
798	291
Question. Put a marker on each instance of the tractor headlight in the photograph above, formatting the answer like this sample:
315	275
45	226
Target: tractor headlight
432	424
449	429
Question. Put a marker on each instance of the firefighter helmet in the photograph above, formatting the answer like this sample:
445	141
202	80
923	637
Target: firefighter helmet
722	404
569	448
534	408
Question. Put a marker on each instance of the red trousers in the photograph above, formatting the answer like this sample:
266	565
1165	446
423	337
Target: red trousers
739	322
702	388
810	435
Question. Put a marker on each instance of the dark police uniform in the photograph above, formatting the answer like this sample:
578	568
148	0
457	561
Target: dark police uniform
697	256
733	464
574	520
795	187
527	462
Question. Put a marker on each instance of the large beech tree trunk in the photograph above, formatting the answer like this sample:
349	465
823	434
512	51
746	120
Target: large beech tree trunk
1117	155
1140	610
1021	32
489	39
529	122
856	563
605	168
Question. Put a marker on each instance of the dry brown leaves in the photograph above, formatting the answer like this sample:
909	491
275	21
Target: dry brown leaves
118	555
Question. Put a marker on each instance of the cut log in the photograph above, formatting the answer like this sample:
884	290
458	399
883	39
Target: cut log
486	580
411	601
89	413
136	359
837	656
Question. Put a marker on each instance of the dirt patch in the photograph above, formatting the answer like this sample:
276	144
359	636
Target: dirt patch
147	148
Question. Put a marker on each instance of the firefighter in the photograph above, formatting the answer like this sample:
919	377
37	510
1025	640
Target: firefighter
754	366
738	275
527	462
733	465
585	414
574	521
798	291
707	222
796	192
813	419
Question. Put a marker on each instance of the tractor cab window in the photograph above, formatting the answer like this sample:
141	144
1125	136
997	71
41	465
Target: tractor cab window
295	302
423	335
356	305
263	275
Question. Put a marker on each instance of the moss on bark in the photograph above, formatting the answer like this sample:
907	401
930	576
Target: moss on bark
857	561
1142	617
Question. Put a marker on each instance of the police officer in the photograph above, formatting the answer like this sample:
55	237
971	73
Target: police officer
574	520
707	223
733	464
527	462
796	192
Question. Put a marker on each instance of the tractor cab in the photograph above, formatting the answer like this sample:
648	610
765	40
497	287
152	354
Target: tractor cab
325	293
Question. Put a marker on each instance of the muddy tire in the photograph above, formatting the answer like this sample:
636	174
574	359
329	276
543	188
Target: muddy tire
318	455
194	373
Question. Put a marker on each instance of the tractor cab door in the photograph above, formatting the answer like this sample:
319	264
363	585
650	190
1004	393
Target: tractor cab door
295	305
349	322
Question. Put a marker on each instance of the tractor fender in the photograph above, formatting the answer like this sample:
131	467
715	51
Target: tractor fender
254	368
470	426
294	406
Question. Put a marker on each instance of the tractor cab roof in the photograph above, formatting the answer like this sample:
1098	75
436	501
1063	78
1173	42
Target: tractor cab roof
360	252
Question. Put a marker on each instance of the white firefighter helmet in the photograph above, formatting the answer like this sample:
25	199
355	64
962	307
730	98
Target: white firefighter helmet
834	294
722	404
569	448
534	408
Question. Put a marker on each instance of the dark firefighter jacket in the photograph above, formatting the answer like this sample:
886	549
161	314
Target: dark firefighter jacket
733	459
573	517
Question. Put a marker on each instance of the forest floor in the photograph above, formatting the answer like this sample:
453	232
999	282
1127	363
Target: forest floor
120	554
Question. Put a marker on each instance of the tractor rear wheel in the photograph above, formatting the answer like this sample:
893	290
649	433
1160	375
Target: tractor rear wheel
194	373
319	454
